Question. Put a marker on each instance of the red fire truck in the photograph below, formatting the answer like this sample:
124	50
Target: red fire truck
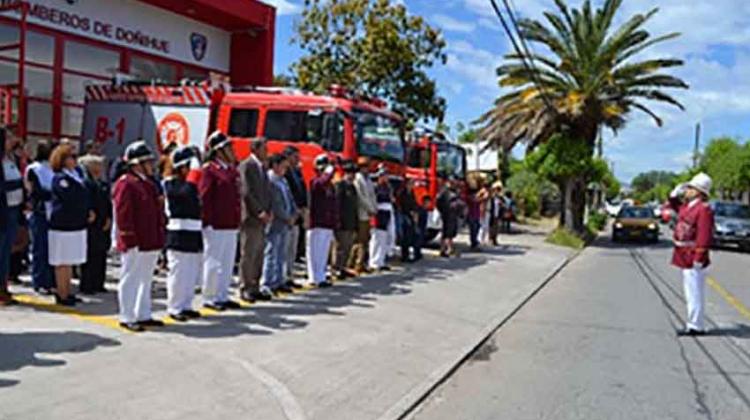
432	160
342	124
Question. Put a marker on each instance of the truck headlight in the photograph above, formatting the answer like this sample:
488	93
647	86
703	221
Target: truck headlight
618	225
652	226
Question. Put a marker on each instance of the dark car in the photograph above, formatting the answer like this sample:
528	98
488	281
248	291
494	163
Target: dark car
732	224
637	223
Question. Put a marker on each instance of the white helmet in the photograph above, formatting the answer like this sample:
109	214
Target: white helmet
702	183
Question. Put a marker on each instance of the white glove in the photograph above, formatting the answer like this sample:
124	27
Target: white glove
678	191
329	170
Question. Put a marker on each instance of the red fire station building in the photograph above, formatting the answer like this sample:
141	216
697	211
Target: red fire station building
50	50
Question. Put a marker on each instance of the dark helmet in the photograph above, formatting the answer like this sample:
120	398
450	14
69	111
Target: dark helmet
182	156
217	140
350	167
138	152
322	161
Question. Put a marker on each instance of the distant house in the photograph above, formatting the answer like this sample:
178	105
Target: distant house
481	162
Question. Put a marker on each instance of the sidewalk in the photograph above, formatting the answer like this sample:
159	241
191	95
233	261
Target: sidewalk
361	350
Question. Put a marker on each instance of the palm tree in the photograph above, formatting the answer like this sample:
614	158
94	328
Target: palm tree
589	79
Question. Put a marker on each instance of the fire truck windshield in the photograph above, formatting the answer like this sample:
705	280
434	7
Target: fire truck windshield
379	137
451	161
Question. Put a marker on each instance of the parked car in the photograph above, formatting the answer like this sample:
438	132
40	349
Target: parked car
732	224
635	223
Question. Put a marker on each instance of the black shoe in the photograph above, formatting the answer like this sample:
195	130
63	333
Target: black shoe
293	285
214	306
385	268
325	284
181	317
230	304
284	289
132	326
445	255
690	332
69	301
151	323
191	313
44	291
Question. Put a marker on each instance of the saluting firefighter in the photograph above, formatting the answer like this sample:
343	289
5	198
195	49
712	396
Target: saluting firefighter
220	195
184	236
140	235
324	219
693	236
380	239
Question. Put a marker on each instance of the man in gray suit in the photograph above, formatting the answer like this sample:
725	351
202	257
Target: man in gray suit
256	215
284	213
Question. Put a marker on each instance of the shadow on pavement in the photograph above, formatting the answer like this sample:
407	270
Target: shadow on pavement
738	331
19	350
285	314
605	242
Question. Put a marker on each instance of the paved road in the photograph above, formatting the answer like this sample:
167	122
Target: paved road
598	343
364	349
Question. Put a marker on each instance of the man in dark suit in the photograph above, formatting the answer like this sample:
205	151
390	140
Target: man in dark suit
296	182
256	215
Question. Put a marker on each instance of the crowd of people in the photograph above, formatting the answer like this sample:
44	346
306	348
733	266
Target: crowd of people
193	211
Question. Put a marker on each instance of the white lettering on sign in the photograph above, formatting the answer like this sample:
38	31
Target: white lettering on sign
135	25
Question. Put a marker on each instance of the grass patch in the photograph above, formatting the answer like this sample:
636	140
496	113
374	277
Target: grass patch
569	239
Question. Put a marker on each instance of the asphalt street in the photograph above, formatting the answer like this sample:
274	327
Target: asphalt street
598	342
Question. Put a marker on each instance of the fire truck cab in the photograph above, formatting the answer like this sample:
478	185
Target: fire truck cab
344	125
431	161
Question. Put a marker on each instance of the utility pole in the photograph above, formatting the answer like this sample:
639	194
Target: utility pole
696	154
600	143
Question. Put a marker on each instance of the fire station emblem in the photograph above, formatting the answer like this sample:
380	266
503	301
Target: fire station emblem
173	128
199	45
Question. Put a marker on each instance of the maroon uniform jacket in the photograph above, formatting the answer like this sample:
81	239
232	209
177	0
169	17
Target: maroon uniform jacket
219	188
693	234
324	206
139	214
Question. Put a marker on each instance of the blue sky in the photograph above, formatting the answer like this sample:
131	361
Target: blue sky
715	45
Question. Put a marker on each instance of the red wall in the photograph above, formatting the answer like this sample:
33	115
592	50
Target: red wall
252	55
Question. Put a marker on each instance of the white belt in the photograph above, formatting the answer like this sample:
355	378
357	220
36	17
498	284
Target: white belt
684	244
193	225
385	206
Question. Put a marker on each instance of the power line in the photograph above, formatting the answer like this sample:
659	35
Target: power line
522	52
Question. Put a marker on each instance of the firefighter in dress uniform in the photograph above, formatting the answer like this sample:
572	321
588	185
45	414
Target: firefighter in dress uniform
184	236
219	189
324	219
693	236
140	236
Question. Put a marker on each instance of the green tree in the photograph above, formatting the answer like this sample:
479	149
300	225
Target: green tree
374	46
646	181
589	79
283	80
726	161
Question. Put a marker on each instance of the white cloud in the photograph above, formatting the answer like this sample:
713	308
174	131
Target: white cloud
452	24
284	7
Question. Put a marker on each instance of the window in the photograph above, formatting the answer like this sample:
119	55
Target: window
451	161
39	116
8	73
144	68
38	82
194	74
72	121
40	48
243	123
379	137
8	36
74	87
292	126
418	157
89	59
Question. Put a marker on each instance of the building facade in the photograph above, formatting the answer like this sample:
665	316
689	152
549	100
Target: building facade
50	50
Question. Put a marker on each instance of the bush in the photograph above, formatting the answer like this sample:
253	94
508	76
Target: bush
567	238
597	222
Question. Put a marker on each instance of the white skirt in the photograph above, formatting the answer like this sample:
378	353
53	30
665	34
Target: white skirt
67	248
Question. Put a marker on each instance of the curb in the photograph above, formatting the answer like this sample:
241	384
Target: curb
405	407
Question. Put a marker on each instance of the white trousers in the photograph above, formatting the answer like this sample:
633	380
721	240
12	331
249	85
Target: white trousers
184	273
694	282
317	248
219	252
134	290
292	239
379	243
